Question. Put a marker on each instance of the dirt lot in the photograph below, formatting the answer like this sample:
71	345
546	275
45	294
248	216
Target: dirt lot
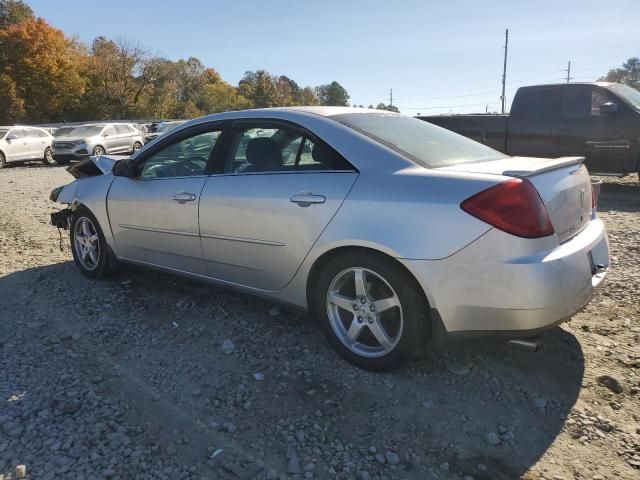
128	378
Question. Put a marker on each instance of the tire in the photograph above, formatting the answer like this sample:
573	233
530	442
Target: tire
48	157
98	151
3	161
102	262
136	146
353	322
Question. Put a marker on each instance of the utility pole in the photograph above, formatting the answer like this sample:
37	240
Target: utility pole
504	70
568	70
391	97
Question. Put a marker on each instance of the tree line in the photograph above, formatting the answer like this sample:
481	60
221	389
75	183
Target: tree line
46	76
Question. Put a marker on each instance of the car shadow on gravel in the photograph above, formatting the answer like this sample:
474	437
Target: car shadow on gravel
475	408
623	197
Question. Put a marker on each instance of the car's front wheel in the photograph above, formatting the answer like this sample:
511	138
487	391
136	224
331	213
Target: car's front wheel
48	157
98	151
91	253
371	309
136	146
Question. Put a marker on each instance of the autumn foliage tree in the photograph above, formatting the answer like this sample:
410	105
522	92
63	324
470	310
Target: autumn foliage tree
39	70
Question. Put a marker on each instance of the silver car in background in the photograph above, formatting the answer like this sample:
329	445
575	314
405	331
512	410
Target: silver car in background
19	143
96	139
388	229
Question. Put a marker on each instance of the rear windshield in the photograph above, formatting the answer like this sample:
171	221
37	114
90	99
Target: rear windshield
629	94
419	141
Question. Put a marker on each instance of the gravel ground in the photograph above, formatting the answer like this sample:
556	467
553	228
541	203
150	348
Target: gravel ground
151	376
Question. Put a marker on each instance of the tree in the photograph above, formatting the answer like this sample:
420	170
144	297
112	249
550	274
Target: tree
13	12
629	74
390	108
332	94
39	71
259	88
308	97
221	97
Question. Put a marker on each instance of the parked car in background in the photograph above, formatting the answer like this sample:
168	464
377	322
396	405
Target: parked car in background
96	139
18	143
599	121
162	129
388	229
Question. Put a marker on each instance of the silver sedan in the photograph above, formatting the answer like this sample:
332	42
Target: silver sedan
389	230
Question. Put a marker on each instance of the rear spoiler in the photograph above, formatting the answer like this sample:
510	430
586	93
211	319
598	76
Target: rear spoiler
544	166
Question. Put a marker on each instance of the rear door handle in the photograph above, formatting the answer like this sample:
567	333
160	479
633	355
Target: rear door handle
182	197
304	199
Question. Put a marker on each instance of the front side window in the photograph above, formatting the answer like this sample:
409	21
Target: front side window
185	158
576	102
17	132
283	149
421	142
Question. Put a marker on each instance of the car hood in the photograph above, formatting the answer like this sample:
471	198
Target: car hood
94	166
70	138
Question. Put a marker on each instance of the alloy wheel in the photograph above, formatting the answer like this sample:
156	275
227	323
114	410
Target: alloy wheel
86	243
364	312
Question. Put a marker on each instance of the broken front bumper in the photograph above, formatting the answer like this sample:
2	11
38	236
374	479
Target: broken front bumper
61	219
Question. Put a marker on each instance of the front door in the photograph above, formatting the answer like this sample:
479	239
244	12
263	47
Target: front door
260	215
154	217
17	145
585	129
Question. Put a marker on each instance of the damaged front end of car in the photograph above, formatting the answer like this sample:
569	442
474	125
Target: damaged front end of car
93	175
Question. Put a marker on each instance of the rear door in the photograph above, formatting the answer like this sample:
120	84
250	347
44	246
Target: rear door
582	129
535	110
264	208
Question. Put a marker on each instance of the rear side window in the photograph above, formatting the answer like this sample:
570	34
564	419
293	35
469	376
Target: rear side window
421	142
537	104
576	102
280	149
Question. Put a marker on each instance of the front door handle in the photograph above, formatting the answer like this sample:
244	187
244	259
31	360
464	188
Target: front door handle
304	199
182	197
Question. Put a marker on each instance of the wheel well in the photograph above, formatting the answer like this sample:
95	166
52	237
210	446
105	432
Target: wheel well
325	257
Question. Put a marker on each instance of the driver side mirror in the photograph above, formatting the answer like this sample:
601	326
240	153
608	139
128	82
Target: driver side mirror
125	168
608	108
11	136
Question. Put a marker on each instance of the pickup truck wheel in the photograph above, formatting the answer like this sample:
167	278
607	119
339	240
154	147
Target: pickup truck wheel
91	254
371	309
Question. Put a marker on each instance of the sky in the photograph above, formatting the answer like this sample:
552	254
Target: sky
437	56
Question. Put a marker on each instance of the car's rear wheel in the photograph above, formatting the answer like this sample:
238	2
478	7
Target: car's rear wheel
91	254
48	157
98	151
371	309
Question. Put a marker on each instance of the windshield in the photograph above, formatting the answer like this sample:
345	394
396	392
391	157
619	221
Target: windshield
3	132
62	131
86	131
627	93
419	141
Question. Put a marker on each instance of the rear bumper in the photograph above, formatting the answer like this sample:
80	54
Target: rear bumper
512	287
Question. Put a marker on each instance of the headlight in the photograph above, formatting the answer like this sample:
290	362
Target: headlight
80	142
55	193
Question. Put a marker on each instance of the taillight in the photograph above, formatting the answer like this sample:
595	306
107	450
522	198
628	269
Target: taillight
513	206
593	198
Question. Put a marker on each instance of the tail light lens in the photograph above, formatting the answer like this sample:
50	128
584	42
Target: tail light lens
593	198
513	206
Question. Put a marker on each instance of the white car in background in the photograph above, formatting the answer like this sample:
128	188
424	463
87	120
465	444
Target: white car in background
96	139
18	143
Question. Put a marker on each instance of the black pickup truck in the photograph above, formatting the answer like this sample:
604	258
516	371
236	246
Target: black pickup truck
599	121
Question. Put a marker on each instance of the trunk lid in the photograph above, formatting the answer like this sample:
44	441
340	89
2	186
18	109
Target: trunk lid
563	184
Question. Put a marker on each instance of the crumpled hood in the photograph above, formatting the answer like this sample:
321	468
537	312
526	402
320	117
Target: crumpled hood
95	165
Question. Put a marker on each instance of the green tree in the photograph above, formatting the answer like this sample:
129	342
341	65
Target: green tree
629	74
390	108
13	12
308	97
221	97
259	88
332	94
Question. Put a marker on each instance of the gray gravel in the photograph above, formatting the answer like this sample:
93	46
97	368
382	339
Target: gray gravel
151	376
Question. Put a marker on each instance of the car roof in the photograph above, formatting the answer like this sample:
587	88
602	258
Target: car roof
564	84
